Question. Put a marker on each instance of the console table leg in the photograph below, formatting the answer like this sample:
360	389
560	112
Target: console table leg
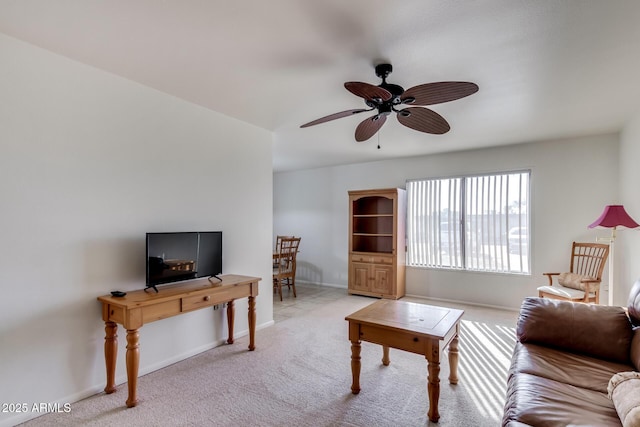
252	323
231	316
110	354
133	361
433	387
355	367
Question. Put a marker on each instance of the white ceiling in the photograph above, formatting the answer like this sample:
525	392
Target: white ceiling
545	68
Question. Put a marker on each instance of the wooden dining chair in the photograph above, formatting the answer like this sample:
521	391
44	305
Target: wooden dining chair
276	251
582	282
284	273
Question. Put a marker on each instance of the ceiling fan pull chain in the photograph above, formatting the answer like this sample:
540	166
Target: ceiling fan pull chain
378	140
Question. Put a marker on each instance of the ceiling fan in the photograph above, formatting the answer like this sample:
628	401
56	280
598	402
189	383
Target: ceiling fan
386	97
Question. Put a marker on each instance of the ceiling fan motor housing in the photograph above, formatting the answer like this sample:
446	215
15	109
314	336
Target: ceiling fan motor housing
383	71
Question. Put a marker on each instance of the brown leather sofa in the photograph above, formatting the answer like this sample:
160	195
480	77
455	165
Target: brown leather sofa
565	355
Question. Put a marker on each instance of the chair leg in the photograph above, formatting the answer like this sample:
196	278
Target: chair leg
280	288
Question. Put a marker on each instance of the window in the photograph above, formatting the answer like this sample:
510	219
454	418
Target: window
478	223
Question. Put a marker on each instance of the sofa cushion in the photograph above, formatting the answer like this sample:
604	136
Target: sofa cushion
572	326
538	401
635	349
572	280
633	303
565	367
564	292
624	391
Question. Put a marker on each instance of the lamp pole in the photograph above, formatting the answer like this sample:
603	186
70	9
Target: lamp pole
612	246
609	240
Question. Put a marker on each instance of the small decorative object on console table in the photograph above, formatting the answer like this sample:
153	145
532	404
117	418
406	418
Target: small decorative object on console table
138	308
612	217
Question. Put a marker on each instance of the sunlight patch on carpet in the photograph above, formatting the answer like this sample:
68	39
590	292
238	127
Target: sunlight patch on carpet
485	356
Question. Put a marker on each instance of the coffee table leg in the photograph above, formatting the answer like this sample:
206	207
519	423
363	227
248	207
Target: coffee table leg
433	386
453	361
355	367
385	355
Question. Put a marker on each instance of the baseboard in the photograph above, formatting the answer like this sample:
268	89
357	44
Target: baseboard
454	301
497	307
329	285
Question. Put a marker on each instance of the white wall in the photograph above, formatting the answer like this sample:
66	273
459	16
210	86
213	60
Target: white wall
628	241
89	162
571	182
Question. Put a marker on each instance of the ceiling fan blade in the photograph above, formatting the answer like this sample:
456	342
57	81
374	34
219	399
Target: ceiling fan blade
333	117
368	91
423	120
439	92
368	127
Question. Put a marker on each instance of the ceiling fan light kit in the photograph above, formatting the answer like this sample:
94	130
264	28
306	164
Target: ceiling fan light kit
386	97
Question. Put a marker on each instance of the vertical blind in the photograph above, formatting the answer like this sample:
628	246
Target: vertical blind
476	223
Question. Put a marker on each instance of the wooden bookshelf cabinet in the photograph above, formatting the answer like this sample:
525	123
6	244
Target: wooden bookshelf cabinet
377	242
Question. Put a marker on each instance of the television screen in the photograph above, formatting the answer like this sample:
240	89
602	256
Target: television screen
173	257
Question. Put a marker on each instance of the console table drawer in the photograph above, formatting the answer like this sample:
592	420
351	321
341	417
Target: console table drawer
160	311
215	296
196	302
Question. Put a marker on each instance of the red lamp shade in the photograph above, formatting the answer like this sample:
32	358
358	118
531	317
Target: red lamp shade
614	216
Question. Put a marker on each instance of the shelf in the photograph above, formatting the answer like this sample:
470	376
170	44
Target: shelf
373	205
368	243
373	224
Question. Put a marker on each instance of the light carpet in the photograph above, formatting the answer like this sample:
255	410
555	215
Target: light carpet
300	375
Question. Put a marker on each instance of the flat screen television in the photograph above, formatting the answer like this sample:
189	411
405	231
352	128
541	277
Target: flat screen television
174	257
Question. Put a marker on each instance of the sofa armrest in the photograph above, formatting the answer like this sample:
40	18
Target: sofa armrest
595	330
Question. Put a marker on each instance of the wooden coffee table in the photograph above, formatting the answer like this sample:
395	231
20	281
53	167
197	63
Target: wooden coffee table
409	326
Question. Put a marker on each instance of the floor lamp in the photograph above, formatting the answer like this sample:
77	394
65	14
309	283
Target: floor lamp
613	216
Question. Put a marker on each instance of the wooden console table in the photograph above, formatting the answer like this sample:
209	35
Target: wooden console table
140	307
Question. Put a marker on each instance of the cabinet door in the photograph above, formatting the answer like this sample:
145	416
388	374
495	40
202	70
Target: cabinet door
382	279
359	276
